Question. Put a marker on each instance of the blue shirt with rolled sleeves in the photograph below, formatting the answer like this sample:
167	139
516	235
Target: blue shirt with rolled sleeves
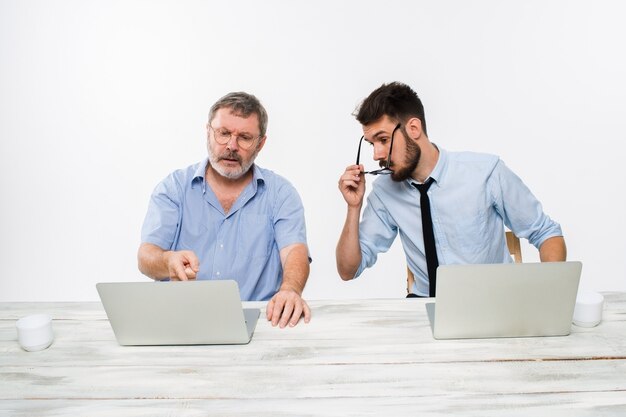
473	196
243	244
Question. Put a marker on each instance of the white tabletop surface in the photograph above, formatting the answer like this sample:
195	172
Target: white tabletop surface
355	358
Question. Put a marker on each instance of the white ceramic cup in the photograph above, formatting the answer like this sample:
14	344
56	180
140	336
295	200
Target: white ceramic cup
34	332
588	310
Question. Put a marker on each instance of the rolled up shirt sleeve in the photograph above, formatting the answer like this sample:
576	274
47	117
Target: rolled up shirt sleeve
377	232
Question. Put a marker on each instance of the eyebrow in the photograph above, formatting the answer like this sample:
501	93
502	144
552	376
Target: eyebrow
238	134
379	133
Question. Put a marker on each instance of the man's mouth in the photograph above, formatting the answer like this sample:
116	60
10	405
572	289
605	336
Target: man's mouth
232	158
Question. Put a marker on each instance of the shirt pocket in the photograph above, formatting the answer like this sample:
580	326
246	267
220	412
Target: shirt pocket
255	237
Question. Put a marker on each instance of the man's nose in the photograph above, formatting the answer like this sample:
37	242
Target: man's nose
233	143
380	152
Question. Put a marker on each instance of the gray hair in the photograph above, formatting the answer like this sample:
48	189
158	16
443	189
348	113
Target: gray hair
241	104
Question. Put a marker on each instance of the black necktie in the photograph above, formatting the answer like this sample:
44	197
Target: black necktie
429	236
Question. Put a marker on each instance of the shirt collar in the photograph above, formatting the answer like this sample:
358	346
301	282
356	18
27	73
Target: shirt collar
257	177
198	175
438	172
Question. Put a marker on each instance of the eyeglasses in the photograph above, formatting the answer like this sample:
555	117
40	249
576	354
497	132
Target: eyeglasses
223	137
385	170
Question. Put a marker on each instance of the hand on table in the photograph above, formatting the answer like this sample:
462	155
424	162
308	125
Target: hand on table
286	307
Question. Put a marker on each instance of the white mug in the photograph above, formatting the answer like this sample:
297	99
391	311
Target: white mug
34	332
588	310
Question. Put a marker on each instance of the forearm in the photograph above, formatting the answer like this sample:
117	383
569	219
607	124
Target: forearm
553	250
296	269
348	252
151	261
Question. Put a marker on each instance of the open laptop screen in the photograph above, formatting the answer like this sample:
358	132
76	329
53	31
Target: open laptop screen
177	313
505	300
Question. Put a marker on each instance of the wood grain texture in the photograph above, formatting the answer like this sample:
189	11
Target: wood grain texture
356	357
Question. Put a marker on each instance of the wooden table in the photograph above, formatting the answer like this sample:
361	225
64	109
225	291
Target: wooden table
356	357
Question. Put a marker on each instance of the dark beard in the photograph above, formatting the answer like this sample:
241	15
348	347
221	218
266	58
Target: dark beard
411	159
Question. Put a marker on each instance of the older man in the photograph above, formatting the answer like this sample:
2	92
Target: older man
227	218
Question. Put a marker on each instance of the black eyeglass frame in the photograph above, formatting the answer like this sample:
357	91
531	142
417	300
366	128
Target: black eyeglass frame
385	170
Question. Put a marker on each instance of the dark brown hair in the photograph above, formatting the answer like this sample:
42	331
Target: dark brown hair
396	100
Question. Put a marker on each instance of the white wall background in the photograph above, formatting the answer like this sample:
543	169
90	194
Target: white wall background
99	100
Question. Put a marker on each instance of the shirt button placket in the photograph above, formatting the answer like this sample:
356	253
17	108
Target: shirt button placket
221	247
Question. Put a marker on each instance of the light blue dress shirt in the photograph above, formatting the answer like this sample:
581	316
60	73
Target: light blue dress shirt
244	244
472	197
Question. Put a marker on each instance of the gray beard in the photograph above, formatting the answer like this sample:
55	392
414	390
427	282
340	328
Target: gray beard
230	174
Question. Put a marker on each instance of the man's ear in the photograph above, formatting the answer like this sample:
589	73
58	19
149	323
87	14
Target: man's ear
414	128
261	143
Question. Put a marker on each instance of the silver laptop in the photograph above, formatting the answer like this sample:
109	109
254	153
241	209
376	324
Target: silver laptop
504	300
177	313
